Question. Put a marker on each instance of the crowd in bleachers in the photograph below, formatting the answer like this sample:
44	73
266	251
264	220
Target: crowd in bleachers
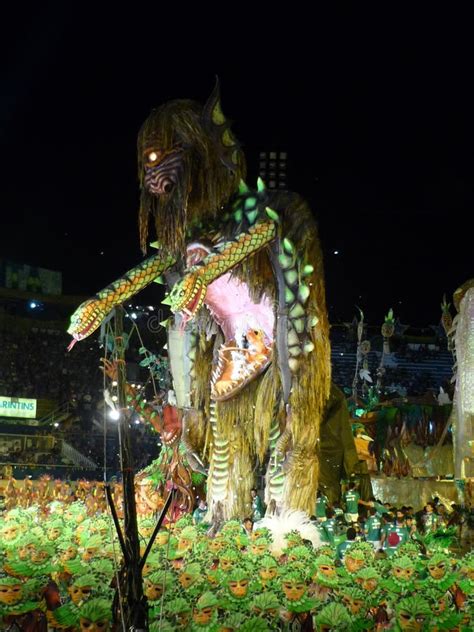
35	363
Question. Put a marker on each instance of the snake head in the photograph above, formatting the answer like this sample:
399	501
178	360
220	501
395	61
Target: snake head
85	320
188	295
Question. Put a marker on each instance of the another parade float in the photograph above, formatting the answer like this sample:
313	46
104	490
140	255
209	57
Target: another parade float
418	447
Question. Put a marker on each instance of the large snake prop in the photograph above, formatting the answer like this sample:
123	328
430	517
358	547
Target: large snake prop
89	315
256	383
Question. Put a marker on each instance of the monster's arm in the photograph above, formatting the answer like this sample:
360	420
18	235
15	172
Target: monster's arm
189	294
89	315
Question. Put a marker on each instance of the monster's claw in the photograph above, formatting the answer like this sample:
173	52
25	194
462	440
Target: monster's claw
109	368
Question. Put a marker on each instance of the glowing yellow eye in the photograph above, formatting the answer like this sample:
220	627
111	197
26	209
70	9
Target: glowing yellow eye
152	156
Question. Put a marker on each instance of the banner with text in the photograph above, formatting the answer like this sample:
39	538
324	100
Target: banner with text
17	407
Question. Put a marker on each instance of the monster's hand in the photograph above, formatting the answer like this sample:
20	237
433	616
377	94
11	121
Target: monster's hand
110	368
188	295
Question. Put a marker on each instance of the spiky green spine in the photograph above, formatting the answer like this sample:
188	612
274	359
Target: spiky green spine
297	277
251	206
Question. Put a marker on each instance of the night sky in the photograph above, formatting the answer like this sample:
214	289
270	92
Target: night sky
378	128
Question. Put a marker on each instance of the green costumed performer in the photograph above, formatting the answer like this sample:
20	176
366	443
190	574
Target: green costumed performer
333	617
464	591
204	616
191	580
401	582
248	339
178	612
16	600
267	606
358	604
440	575
413	614
295	600
237	592
325	579
442	608
268	572
96	616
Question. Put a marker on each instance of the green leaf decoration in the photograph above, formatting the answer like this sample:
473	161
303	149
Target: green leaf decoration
160	280
294	351
197	478
273	215
260	185
250	202
142	350
293	338
288	246
238	215
289	296
243	188
252	216
146	362
291	277
285	261
296	311
154	244
389	317
166	300
164	323
294	364
303	292
307	269
298	324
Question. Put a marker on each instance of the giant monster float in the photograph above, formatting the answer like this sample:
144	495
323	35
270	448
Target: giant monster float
248	338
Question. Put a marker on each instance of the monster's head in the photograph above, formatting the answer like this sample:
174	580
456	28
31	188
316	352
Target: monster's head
189	165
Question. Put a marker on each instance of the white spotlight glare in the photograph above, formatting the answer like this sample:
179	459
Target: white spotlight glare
134	316
114	414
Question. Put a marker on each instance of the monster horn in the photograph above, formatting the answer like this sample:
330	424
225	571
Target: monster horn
218	127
